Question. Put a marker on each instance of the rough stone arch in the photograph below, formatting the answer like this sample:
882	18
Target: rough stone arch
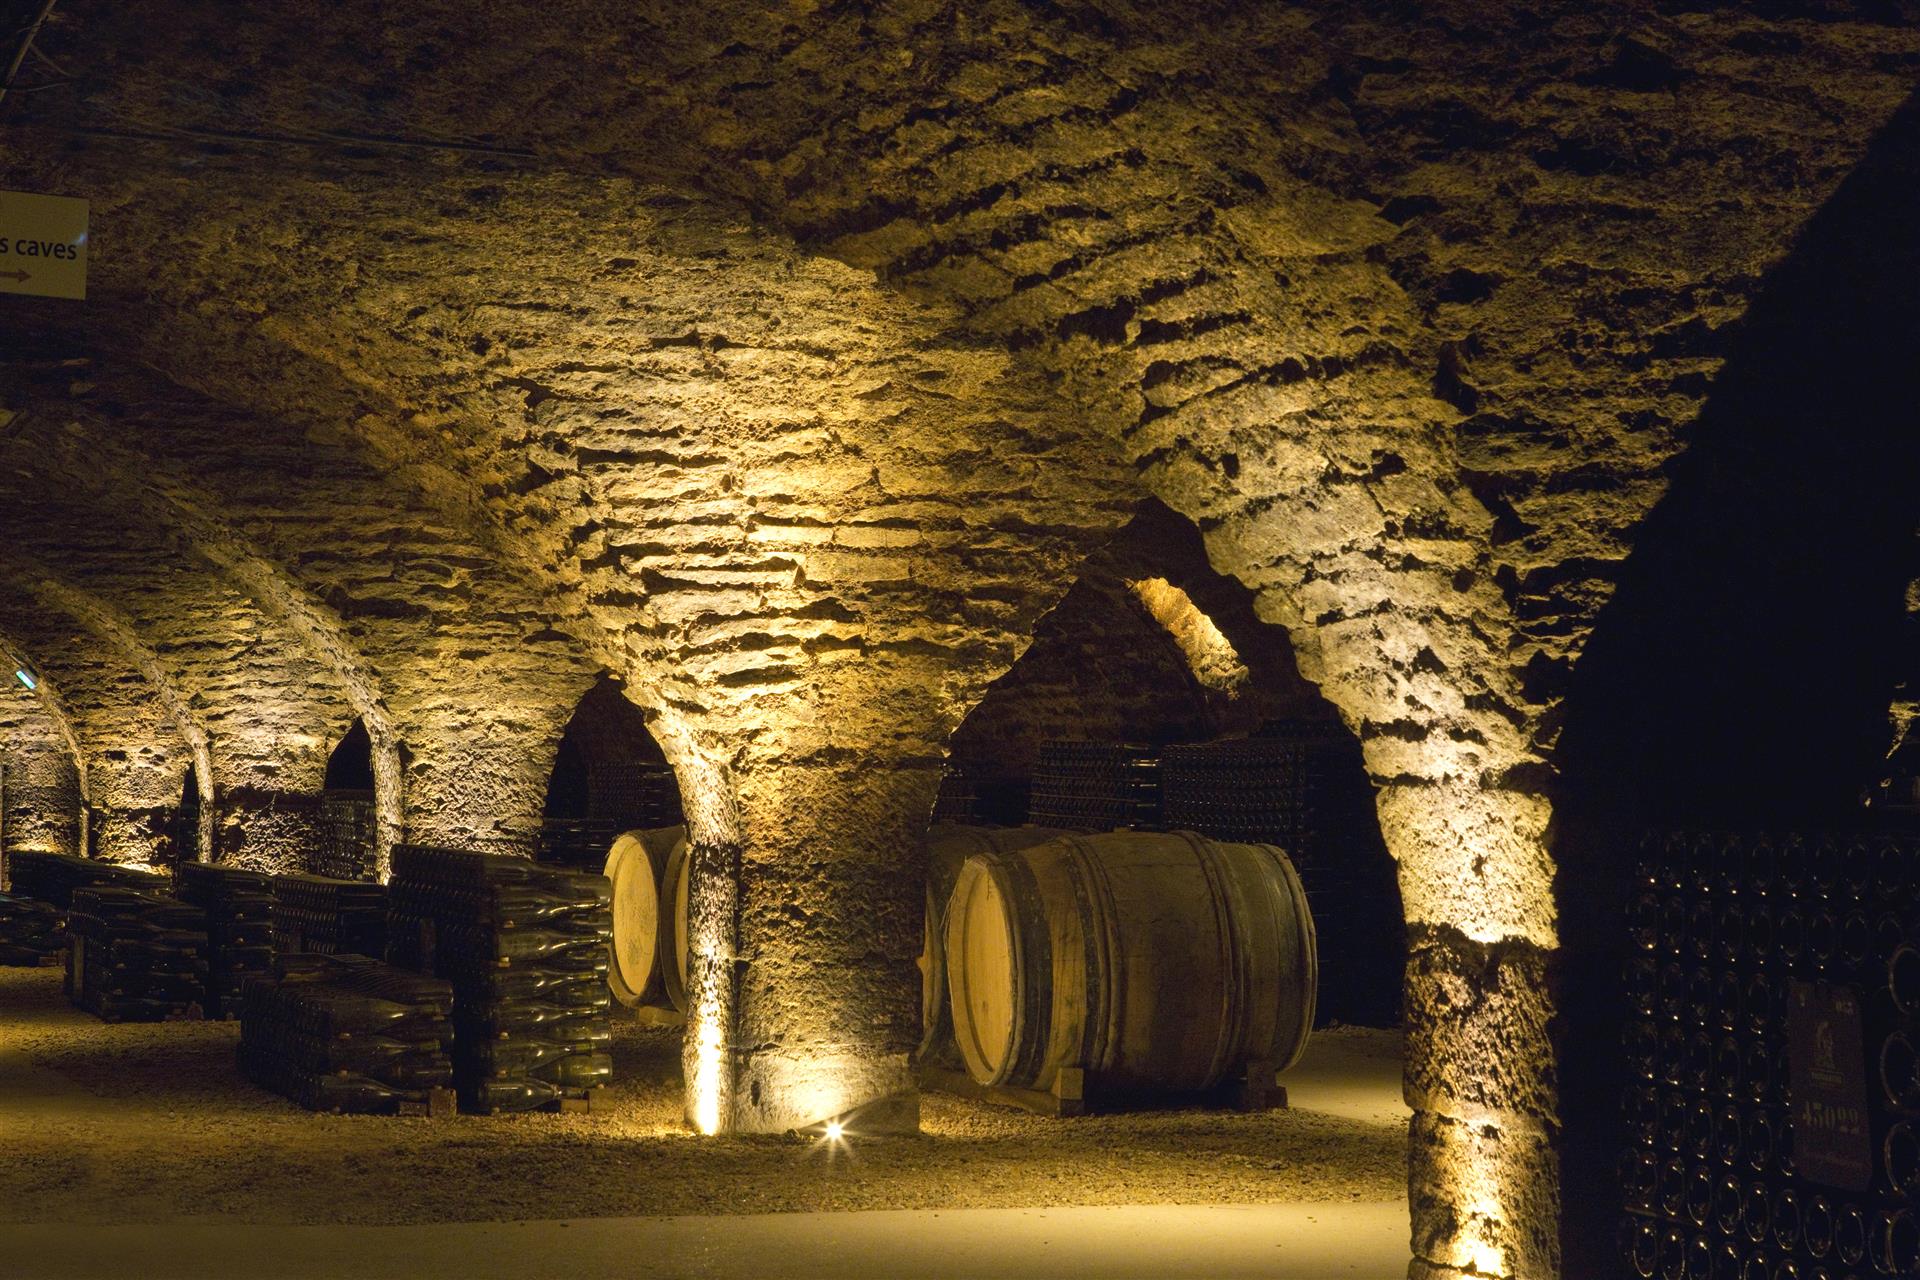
131	751
112	629
1406	310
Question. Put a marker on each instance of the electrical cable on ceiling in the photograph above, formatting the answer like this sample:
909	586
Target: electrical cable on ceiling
26	43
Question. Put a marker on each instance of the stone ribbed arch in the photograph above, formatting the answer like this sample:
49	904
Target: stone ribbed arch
1406	312
446	651
257	707
182	516
134	755
29	586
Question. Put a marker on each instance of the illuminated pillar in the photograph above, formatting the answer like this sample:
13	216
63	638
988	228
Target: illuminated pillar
1480	1075
133	794
804	935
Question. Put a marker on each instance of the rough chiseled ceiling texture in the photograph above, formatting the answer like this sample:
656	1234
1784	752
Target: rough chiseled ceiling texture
784	361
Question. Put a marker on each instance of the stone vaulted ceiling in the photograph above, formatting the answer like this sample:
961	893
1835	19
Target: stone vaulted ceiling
785	360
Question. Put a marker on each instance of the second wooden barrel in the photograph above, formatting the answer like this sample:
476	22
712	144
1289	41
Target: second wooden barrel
948	846
1156	962
645	868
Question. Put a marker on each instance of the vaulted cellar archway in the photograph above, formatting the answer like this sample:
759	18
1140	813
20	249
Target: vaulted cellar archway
1405	309
1154	649
348	825
609	775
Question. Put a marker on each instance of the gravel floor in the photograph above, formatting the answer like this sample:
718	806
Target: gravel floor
150	1123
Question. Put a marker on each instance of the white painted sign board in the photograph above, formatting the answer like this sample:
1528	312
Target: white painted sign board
43	245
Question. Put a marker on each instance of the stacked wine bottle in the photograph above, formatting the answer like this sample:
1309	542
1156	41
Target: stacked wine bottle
31	931
347	1034
526	949
633	793
52	877
135	957
1095	786
577	842
1774	1078
239	909
328	916
345	827
975	793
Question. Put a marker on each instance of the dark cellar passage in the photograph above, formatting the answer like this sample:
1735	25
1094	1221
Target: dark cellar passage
350	767
960	639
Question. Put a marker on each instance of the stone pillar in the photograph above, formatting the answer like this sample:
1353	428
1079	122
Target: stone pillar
39	799
132	796
805	930
1483	1167
135	835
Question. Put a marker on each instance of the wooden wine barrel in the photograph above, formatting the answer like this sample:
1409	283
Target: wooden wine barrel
641	865
948	846
673	890
1155	962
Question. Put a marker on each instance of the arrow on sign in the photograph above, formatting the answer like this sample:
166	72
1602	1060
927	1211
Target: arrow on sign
18	277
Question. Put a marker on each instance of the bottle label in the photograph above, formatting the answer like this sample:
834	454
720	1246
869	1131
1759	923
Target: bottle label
1827	1062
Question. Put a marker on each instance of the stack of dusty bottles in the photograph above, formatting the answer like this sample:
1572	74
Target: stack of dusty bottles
1773	1055
134	956
1095	786
347	1034
31	932
52	877
526	950
328	916
239	909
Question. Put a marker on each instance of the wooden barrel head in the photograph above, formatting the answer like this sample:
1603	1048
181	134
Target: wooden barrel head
981	970
949	845
636	919
674	884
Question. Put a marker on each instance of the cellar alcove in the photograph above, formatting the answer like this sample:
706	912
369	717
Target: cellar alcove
183	843
348	820
613	806
1742	677
609	776
350	764
1152	649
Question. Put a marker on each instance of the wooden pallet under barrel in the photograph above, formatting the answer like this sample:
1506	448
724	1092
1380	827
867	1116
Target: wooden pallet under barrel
1074	1094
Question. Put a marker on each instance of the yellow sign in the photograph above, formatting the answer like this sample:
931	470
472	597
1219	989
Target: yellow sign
43	245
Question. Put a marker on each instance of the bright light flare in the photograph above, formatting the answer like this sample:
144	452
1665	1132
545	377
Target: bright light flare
834	1132
706	1083
20	674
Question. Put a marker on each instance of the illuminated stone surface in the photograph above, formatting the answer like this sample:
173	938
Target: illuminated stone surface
785	362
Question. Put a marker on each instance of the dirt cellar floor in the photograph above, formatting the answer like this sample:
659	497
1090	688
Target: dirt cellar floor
151	1123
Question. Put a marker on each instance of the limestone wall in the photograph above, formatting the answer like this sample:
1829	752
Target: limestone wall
787	362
